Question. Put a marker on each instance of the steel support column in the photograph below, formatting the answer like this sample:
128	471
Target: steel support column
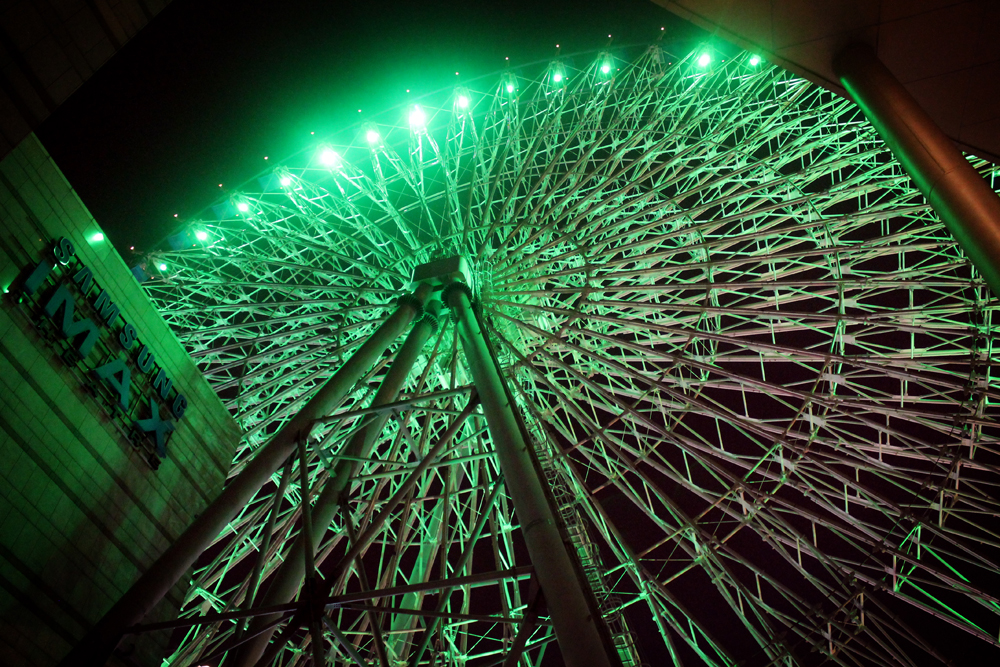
96	647
265	543
969	208
285	583
575	625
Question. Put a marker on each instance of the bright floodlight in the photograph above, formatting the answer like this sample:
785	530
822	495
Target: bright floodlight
243	207
463	102
285	180
417	118
704	59
329	157
557	77
163	267
510	88
754	61
97	237
605	68
201	235
372	136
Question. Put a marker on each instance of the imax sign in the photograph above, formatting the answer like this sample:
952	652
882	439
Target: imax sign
61	290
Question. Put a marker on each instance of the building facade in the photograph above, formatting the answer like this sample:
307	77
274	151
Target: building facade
111	441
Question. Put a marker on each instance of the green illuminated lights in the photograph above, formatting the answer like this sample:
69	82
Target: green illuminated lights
97	237
510	87
201	235
327	157
372	136
286	180
557	77
243	207
462	102
754	61
704	60
605	68
417	118
163	267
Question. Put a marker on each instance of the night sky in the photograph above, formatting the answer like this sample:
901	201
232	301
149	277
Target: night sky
209	88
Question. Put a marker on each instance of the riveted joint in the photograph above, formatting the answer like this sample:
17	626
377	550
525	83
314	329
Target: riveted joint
449	290
411	301
431	320
452	287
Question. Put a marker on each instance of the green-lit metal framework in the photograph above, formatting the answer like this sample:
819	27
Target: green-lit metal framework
754	367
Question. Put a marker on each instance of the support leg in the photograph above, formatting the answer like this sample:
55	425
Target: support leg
576	624
286	582
966	204
315	611
96	647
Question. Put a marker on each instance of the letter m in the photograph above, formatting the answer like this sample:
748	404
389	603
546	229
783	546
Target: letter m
108	311
71	328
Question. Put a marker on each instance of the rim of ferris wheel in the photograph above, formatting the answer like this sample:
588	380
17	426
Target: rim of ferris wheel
959	195
755	366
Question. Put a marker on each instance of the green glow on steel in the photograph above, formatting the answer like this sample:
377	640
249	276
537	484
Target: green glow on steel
463	102
531	261
417	118
243	207
946	563
704	60
372	136
944	607
201	235
97	238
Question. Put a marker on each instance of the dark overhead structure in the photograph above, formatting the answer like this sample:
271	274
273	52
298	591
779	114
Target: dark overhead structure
48	49
945	53
922	73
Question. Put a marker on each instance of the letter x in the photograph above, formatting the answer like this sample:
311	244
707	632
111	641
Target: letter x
161	426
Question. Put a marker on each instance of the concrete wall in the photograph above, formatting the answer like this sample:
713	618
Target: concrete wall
82	513
48	48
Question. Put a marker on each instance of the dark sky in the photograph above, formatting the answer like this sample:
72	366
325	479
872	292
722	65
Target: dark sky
209	88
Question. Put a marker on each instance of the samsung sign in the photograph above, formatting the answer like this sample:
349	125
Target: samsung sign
131	379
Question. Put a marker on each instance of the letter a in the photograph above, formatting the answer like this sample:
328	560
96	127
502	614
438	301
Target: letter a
108	373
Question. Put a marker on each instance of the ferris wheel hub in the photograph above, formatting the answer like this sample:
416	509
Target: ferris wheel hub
443	271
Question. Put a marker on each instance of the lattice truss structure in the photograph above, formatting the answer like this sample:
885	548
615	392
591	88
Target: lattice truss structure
754	365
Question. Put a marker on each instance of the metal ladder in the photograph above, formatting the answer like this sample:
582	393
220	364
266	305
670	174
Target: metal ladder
575	529
573	524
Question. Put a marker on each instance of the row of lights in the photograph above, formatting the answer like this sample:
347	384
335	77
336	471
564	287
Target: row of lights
418	119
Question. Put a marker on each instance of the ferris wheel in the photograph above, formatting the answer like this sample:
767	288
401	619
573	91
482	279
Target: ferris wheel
751	368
